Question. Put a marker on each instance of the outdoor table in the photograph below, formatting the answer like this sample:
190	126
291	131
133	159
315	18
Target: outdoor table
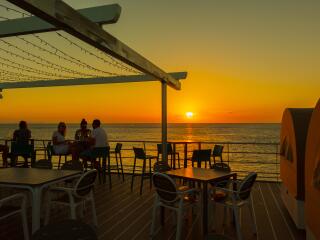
34	180
204	176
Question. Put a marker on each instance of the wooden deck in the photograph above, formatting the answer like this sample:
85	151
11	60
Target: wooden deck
123	214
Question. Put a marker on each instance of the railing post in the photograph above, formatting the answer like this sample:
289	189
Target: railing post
185	164
174	156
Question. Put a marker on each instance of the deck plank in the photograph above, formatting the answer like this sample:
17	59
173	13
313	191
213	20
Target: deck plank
123	214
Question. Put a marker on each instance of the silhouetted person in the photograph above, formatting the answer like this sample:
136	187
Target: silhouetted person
23	134
21	139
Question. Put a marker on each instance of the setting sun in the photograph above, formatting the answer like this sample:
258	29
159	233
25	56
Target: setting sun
189	115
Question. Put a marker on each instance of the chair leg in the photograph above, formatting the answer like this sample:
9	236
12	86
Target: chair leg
150	173
72	209
134	168
237	221
109	172
142	175
24	222
59	162
47	214
121	167
154	216
94	213
179	222
117	164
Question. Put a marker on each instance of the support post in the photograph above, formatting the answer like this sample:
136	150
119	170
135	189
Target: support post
164	120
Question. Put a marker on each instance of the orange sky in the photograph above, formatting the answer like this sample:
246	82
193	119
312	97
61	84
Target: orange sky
246	62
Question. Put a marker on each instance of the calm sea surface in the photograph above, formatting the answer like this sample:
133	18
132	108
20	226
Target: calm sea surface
243	157
176	132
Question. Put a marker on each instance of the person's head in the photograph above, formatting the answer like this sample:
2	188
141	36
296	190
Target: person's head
83	124
62	128
23	125
96	123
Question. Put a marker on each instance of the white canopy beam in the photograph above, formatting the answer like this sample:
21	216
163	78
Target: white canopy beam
107	14
86	81
65	17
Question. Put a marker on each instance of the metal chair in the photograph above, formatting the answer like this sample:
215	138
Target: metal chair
51	153
170	153
161	166
169	196
104	168
117	153
75	196
8	210
238	198
199	156
217	152
25	150
66	230
140	154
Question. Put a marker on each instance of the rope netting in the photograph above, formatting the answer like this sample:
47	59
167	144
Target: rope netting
52	55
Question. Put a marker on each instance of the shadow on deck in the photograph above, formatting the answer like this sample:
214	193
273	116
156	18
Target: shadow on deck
123	214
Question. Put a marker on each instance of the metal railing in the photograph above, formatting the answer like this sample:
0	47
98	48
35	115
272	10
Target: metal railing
243	157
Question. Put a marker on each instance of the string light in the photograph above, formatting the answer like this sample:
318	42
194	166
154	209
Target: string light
27	73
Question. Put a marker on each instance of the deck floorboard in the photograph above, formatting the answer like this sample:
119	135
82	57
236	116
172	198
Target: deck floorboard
124	214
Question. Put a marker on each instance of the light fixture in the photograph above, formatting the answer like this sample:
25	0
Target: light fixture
0	93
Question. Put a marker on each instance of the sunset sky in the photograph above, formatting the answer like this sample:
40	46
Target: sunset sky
246	62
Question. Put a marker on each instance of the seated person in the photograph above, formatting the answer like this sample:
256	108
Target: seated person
82	138
23	134
21	137
60	145
83	133
98	140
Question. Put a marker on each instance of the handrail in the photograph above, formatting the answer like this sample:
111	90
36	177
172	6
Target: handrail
240	155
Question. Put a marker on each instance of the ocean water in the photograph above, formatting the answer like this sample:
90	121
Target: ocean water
248	147
176	132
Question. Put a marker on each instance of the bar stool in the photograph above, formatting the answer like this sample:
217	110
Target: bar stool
217	152
117	153
102	153
170	153
140	154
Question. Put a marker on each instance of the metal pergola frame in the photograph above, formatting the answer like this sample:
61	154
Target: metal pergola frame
52	15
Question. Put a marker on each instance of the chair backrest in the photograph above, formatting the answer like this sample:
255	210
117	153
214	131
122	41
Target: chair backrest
201	156
118	148
169	148
139	153
49	150
246	186
221	167
165	187
161	166
43	164
217	150
85	183
72	165
21	148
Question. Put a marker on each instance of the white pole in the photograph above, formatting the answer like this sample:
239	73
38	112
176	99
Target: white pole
164	120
